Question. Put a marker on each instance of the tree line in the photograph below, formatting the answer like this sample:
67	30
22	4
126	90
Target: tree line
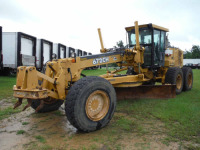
194	53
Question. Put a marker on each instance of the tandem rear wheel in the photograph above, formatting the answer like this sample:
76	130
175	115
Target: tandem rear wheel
90	103
174	75
183	78
187	78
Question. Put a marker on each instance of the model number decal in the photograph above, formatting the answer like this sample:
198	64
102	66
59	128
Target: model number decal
100	60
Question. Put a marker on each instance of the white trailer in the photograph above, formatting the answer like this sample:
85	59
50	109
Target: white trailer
19	49
1	54
44	52
59	50
78	52
191	61
70	51
84	53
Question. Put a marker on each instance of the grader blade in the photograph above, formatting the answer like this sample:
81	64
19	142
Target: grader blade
146	91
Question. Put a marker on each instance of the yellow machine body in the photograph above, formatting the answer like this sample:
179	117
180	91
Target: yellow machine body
60	73
90	102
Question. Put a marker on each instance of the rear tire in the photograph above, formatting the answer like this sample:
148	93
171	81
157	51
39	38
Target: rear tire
90	103
47	106
174	75
187	78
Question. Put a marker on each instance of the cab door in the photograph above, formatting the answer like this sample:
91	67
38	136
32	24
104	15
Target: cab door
158	48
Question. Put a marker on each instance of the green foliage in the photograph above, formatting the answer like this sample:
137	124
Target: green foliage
180	115
194	53
125	123
40	139
178	119
25	123
20	132
6	86
4	113
120	44
99	72
112	65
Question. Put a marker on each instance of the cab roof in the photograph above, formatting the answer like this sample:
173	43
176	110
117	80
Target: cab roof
148	25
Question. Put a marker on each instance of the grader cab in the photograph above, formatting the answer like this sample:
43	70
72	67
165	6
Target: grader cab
153	39
90	101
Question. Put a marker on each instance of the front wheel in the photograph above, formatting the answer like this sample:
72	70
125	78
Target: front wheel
90	103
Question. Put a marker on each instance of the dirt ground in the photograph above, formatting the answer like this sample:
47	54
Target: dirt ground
30	130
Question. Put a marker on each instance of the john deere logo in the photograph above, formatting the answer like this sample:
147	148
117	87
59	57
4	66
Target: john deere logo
100	60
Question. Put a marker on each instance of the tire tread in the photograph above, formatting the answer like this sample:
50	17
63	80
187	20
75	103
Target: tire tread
71	99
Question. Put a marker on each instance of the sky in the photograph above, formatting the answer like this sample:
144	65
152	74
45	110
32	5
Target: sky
74	23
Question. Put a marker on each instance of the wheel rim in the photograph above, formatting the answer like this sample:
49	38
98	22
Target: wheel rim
190	80
97	105
179	81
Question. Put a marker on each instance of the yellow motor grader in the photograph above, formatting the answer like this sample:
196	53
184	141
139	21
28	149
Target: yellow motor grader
90	101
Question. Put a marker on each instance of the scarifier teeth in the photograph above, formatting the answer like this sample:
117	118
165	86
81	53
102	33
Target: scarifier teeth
18	103
40	106
28	105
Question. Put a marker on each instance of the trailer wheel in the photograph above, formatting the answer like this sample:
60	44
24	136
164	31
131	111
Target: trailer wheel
187	78
48	106
90	103
174	75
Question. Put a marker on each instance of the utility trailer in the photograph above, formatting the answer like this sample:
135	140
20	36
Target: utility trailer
70	51
60	50
44	52
19	49
1	55
78	52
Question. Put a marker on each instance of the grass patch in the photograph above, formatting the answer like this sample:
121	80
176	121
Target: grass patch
94	72
20	132
40	138
179	116
59	113
4	113
25	123
34	145
45	147
6	86
99	72
125	123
